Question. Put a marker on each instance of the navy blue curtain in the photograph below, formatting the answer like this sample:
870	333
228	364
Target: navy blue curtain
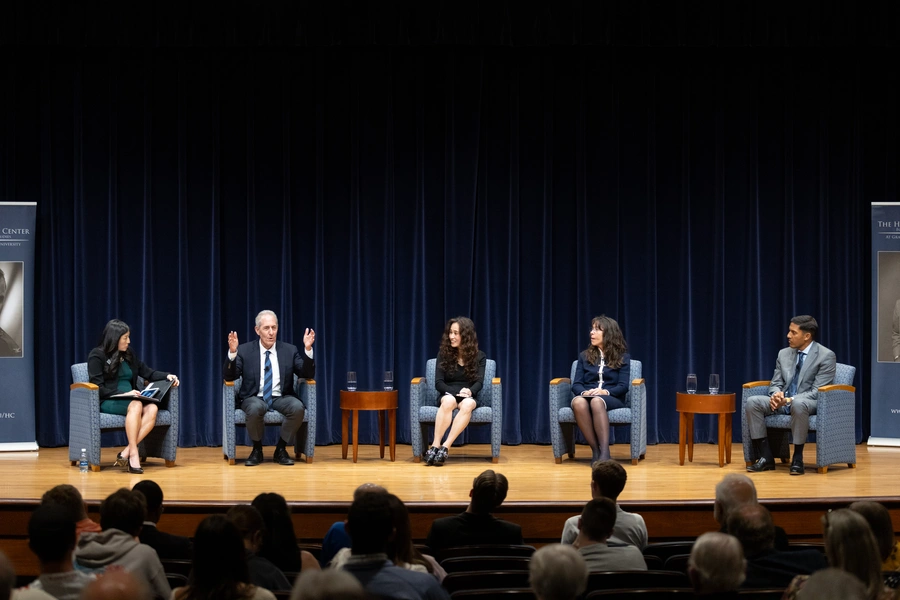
700	196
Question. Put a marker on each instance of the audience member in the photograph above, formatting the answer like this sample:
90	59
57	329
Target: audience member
336	537
51	536
736	489
594	528
557	572
716	567
851	547
477	525
121	516
220	571
280	541
116	585
607	481
767	567
68	497
832	584
8	582
879	520
167	545
369	524
331	584
252	528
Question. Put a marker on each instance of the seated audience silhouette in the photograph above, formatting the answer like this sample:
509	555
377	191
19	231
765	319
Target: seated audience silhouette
252	528
68	497
594	528
736	490
336	537
279	541
832	584
557	572
331	584
167	545
716	567
879	520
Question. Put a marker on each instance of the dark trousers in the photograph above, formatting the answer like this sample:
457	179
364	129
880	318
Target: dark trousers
289	406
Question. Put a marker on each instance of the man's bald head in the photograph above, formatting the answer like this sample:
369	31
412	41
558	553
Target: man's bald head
114	585
735	490
369	488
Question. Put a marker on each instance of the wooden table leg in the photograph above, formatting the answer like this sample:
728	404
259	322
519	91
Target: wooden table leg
345	414
682	430
721	420
381	432
355	435
392	429
690	436
728	434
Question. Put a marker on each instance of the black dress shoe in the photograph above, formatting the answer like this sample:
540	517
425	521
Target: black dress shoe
761	465
281	457
441	456
797	467
429	455
256	457
135	471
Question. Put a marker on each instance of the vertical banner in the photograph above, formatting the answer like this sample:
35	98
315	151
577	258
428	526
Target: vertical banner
17	250
885	384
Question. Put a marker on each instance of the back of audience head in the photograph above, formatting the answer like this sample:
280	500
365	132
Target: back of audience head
68	498
608	478
879	520
752	525
125	510
717	563
735	489
7	577
400	547
51	533
369	523
330	584
557	572
279	535
219	563
832	584
116	585
488	492
369	487
598	519
249	523
850	545
153	495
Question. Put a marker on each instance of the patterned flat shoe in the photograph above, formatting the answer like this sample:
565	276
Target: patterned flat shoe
429	456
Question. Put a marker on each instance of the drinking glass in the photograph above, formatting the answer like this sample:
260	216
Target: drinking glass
351	381
714	384
388	381
692	383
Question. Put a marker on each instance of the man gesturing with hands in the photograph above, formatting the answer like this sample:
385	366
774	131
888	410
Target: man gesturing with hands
267	367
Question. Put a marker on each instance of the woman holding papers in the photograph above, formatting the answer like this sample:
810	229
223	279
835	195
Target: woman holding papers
114	368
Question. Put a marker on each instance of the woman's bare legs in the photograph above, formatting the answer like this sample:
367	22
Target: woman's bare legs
443	418
139	421
462	419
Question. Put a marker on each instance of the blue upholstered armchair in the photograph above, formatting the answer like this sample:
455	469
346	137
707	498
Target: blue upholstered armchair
86	422
562	418
423	401
834	422
232	417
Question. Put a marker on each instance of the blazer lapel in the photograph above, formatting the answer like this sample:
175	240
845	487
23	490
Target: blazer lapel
811	355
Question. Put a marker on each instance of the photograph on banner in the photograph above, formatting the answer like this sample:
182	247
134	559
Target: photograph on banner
888	307
12	309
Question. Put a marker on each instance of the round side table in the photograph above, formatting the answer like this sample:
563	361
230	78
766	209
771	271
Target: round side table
704	404
383	402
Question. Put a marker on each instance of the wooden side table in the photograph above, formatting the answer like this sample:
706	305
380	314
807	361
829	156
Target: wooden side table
704	404
383	402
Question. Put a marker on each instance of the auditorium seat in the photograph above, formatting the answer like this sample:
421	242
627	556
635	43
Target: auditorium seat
634	414
666	549
478	580
233	417
177	566
510	594
486	550
627	593
677	562
834	422
485	563
176	580
654	563
86	423
424	403
637	580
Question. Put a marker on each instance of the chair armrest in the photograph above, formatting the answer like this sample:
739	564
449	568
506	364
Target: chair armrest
229	383
495	381
417	380
84	386
560	380
560	390
753	384
836	387
228	405
637	382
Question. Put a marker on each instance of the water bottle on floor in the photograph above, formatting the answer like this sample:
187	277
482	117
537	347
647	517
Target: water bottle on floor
83	461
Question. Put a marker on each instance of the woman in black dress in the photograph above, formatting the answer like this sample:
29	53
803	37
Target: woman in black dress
114	368
458	377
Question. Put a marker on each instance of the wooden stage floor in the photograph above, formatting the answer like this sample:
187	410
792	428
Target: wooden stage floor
202	476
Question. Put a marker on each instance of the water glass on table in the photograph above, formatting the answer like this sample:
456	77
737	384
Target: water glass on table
388	381
692	383
351	381
714	384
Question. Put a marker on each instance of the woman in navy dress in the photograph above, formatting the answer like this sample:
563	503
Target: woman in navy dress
595	394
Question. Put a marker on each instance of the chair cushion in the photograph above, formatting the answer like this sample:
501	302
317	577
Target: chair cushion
108	421
272	417
784	422
619	416
482	414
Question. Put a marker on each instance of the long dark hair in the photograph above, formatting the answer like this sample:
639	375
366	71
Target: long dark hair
614	346
109	342
279	541
401	548
449	357
219	564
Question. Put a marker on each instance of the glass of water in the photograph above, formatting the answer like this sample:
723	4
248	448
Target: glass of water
388	381
714	384
351	381
692	383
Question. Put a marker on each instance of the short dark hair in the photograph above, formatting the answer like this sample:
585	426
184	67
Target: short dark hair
247	519
68	498
598	519
124	510
879	520
369	523
752	525
51	532
153	494
806	323
610	478
488	491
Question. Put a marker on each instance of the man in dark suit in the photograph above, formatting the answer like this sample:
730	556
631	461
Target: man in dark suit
268	368
167	545
800	370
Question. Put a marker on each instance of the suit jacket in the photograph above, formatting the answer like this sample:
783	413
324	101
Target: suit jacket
246	364
774	569
108	383
616	381
818	370
467	529
167	545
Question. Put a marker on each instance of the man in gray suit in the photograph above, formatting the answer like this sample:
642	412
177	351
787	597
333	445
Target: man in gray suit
800	370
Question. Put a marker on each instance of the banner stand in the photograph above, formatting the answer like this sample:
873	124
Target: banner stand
885	380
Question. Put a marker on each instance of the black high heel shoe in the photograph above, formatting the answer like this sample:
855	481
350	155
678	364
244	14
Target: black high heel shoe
135	470
121	461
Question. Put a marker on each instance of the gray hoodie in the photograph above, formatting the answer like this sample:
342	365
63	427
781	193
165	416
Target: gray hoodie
96	551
